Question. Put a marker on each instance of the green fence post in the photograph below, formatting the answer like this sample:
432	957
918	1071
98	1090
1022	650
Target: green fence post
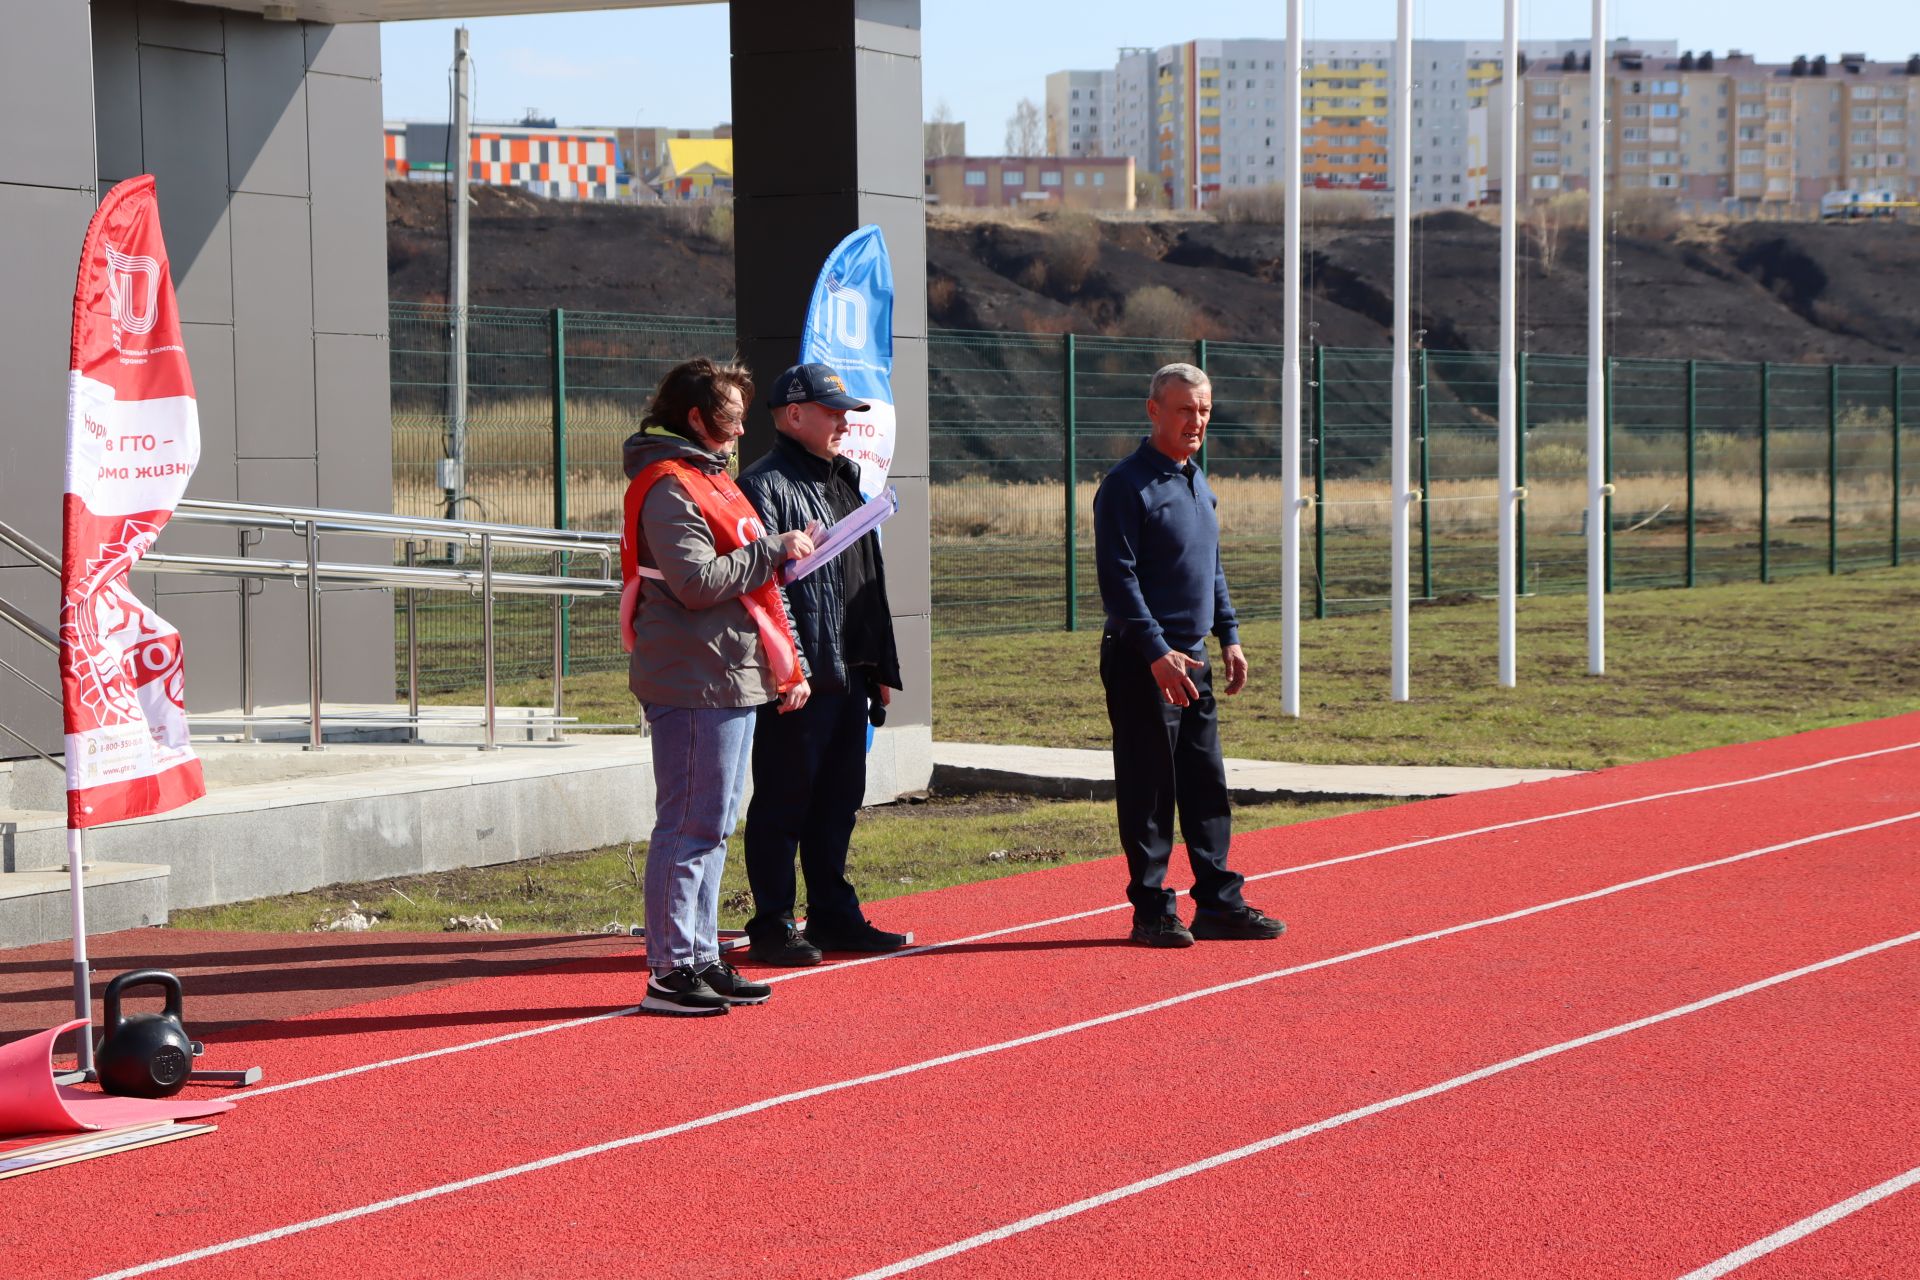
1520	476
1606	466
1766	381
558	357
1069	412
1200	363
1426	499
1833	468
1896	465
1319	481
1693	406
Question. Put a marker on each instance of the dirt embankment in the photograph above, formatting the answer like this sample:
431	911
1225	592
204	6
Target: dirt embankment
1776	291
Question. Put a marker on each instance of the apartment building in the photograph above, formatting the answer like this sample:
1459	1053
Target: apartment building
1725	133
1079	113
1204	117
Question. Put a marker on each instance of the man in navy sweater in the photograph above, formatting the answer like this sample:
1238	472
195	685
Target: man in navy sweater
1157	546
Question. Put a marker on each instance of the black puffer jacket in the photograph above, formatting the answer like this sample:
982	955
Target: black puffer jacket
788	486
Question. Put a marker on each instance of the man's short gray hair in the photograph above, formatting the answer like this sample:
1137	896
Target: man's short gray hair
1185	374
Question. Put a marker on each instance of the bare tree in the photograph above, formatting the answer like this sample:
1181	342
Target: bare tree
944	137
1025	134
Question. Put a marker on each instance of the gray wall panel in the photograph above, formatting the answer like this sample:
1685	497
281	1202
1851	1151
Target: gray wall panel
357	640
914	704
350	50
210	353
38	257
273	327
209	624
349	206
116	90
266	108
903	221
907	544
181	26
184	135
48	109
355	429
909	387
892	159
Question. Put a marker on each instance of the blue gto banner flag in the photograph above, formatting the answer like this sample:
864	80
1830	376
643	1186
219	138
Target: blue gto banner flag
850	326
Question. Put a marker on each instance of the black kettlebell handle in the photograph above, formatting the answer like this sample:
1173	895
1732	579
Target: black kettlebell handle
143	978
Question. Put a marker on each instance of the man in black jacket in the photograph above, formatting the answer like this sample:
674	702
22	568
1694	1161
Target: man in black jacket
809	766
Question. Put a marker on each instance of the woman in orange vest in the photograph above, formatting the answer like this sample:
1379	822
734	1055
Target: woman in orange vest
710	643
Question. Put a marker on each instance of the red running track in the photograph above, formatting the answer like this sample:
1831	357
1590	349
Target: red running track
1415	958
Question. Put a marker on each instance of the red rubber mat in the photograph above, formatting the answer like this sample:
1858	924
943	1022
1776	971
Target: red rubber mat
1424	944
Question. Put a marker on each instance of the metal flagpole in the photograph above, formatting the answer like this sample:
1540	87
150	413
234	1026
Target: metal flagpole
82	975
1402	133
1508	131
1290	137
1596	352
455	479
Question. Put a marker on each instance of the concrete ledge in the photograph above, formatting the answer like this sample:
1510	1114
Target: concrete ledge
1075	774
34	905
280	820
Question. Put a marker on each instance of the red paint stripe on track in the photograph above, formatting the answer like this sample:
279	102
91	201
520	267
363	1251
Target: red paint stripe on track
1523	973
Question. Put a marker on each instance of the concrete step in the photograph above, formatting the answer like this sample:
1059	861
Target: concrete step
32	784
34	905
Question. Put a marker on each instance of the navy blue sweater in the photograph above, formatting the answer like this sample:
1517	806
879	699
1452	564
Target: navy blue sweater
1157	546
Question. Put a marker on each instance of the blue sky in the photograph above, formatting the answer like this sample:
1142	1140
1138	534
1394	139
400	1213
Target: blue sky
669	66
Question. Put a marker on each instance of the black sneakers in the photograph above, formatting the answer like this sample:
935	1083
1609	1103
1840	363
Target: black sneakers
731	987
1245	924
861	937
683	993
1162	931
789	951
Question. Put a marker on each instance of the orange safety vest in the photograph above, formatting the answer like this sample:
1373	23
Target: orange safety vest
733	523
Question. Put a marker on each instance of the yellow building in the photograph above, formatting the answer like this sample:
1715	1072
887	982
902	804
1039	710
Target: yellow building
695	167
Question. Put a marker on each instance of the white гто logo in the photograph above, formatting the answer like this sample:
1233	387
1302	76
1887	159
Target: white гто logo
847	314
133	289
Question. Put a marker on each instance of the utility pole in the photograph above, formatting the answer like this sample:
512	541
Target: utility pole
453	479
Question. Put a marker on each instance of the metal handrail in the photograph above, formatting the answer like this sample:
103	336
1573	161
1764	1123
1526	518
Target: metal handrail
432	528
311	572
41	557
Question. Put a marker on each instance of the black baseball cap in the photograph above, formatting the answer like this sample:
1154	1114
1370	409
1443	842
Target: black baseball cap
815	384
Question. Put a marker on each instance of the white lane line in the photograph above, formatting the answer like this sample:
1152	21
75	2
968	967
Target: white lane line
963	1055
839	966
1805	1227
1371	1109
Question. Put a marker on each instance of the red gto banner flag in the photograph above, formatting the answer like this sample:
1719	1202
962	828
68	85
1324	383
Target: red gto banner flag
133	438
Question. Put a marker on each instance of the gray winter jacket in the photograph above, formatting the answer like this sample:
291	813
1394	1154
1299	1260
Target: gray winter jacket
694	645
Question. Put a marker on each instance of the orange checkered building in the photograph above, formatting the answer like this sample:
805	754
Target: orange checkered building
567	163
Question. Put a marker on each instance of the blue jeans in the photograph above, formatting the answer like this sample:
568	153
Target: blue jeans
701	757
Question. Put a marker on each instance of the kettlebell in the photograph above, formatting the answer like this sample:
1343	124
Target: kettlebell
145	1055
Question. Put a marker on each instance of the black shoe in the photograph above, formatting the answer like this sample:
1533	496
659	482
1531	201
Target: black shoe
788	951
733	988
861	937
1246	924
683	993
1161	931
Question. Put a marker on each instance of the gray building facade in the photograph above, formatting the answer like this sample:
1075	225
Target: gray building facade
264	136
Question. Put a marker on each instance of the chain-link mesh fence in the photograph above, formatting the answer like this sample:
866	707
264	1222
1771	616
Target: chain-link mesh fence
1721	471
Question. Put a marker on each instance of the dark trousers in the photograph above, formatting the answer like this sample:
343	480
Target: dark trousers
809	776
1167	758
